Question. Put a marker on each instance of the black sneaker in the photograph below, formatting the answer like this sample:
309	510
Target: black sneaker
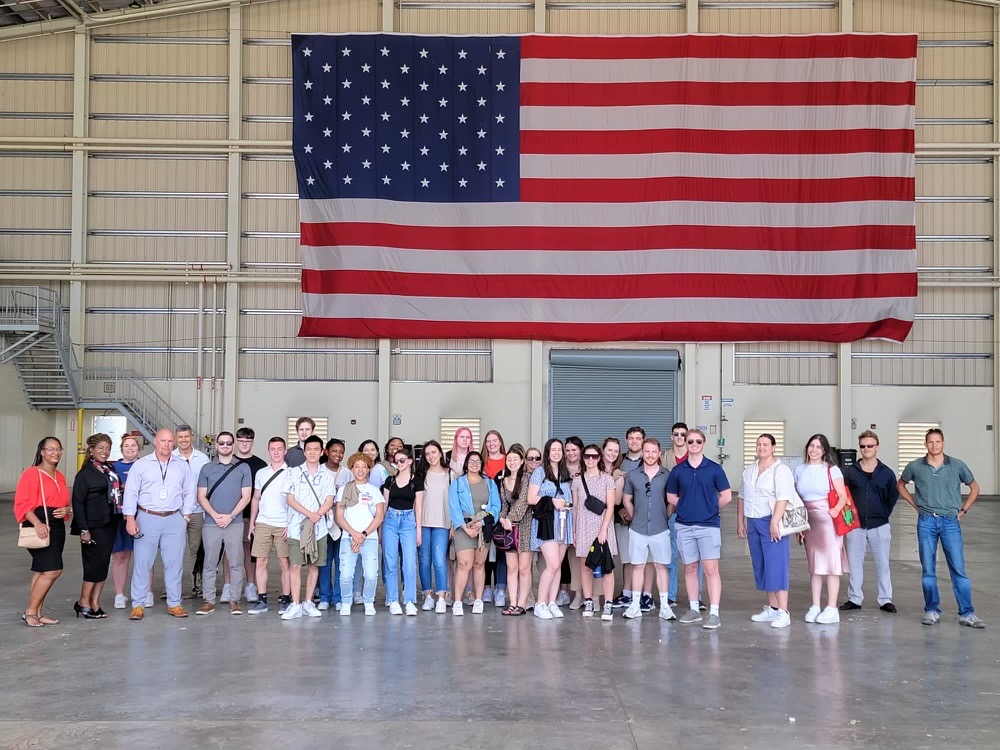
701	606
889	607
283	602
848	606
672	603
621	602
646	603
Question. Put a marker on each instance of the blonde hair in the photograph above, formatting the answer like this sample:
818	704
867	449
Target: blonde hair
363	457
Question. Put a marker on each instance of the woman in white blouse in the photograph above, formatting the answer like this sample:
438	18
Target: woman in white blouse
768	487
824	549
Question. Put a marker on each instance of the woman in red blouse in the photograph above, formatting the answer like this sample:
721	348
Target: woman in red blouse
41	488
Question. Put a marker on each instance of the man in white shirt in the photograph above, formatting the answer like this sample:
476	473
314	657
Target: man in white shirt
269	525
309	493
360	510
194	459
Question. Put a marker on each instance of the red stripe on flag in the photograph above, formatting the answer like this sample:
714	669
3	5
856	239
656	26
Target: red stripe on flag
601	239
717	189
644	286
869	46
716	141
385	328
749	94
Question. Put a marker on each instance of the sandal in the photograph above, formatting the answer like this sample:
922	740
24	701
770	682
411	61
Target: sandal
519	611
32	621
508	611
47	620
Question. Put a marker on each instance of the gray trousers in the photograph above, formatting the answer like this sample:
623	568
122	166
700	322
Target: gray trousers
878	541
167	536
213	538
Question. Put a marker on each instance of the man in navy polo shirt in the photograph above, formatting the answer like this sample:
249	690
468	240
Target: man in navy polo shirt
698	488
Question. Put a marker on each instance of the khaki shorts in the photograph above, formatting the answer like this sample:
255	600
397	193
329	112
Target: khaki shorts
266	538
295	556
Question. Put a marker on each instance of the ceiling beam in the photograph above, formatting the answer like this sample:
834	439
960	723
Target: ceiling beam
72	8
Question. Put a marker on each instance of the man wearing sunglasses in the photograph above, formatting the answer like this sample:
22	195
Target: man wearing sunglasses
873	487
223	492
699	489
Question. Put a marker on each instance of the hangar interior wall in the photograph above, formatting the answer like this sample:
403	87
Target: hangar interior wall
145	172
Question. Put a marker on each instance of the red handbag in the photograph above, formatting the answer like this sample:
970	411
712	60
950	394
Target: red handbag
847	520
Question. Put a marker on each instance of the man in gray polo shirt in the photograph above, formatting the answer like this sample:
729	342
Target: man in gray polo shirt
223	491
937	482
645	499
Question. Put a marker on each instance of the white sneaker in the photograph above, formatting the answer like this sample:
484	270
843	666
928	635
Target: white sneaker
767	614
477	607
781	620
309	609
542	611
395	609
251	593
369	609
428	603
411	609
812	614
500	599
293	612
120	601
458	609
666	613
588	608
488	594
441	607
828	616
227	594
345	609
562	599
577	601
555	611
323	606
633	612
607	614
149	600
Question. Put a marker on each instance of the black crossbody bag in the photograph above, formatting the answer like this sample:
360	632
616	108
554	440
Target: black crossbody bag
594	504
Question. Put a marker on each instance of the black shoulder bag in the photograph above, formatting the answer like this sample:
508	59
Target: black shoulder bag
594	504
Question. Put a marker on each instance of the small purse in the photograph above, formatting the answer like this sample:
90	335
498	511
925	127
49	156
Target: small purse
27	537
795	519
847	520
594	504
506	541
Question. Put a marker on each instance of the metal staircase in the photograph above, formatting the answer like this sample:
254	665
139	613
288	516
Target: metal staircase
35	338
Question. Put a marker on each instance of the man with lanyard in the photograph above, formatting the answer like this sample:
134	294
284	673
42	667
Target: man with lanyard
193	459
698	489
269	525
632	460
223	491
937	481
309	492
873	487
645	498
679	452
159	500
244	454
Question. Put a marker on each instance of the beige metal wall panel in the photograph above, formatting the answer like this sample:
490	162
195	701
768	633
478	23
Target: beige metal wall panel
267	98
954	133
35	173
166	98
598	21
157	214
158	175
36	127
954	218
269	176
265	215
153	129
955	62
257	131
941	19
902	371
761	369
264	60
156	249
256	250
211	24
944	178
144	295
472	361
266	19
36	96
770	21
465	21
46	54
34	212
968	255
955	101
160	59
47	247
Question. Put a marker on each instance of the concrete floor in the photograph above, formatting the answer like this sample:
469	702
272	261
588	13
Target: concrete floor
489	681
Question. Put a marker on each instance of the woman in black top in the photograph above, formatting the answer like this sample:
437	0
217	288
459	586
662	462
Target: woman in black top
97	510
404	494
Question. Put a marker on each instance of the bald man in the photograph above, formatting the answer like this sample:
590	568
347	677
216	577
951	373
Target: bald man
159	499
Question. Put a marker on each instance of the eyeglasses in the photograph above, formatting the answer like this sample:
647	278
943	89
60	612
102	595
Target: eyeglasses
591	456
679	434
226	443
400	461
695	441
533	458
872	445
474	461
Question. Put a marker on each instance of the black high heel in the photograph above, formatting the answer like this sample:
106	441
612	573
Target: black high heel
100	614
87	612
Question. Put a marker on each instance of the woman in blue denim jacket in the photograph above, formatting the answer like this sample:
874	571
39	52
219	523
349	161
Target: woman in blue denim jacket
470	498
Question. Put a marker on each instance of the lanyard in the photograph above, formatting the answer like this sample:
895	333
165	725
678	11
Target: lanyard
163	469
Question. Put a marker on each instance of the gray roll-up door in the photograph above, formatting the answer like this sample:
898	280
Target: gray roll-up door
597	393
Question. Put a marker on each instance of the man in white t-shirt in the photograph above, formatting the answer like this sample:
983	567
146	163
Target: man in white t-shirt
360	510
269	524
309	493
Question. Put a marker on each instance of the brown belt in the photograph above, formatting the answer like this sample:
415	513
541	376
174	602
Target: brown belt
160	513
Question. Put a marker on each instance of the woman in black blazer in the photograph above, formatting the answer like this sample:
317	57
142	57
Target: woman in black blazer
97	510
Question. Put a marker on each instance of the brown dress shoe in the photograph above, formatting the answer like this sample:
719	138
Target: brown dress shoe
177	611
235	608
205	609
137	613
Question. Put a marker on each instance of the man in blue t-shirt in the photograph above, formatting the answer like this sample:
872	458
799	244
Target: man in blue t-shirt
698	489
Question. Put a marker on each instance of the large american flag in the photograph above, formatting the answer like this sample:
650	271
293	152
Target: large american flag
698	188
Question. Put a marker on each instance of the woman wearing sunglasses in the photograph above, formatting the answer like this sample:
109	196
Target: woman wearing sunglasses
592	527
404	497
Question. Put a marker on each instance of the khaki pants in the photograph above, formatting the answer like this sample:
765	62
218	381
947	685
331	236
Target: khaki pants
194	527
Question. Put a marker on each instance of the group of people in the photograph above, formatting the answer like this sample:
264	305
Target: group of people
469	526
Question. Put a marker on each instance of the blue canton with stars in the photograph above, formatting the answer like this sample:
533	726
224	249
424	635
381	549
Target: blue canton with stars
406	118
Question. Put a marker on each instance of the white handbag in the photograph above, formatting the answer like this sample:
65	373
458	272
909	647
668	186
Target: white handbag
27	537
795	519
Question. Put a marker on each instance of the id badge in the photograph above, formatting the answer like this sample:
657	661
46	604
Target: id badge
163	493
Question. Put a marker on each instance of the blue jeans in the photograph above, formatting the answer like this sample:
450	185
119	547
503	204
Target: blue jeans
329	574
675	561
434	553
400	530
930	529
369	563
